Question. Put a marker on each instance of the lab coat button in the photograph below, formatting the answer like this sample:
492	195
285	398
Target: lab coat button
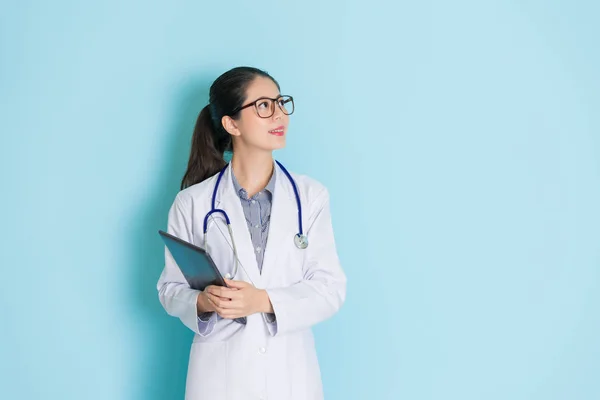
262	350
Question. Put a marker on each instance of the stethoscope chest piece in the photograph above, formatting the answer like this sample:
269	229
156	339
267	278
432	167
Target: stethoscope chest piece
301	241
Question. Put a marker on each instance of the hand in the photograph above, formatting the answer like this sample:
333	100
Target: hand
203	304
240	299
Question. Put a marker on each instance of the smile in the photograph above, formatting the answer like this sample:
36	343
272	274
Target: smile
277	132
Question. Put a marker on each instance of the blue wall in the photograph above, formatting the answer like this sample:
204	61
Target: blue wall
460	142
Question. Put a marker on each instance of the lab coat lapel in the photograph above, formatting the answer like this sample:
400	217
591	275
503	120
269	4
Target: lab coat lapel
283	223
229	201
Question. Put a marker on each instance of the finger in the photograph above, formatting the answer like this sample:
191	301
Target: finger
235	305
212	288
233	283
221	291
226	313
237	295
237	284
214	297
217	291
219	302
227	304
213	305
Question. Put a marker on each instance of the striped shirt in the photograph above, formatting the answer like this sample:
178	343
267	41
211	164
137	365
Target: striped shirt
257	210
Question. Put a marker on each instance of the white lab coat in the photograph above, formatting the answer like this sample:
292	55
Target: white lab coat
262	360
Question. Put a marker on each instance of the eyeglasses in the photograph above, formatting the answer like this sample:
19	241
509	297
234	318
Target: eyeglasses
265	106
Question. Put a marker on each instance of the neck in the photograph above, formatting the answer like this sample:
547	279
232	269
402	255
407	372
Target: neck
253	171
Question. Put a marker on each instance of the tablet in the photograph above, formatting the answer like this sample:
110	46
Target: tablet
196	265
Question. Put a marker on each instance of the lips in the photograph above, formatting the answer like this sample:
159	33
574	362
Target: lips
279	131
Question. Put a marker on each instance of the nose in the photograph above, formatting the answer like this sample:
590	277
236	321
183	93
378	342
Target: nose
278	114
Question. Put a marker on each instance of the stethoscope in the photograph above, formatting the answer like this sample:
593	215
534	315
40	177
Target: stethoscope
300	239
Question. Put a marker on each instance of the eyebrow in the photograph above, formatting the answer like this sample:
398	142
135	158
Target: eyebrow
269	98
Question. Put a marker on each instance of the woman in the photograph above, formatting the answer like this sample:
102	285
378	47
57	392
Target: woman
282	287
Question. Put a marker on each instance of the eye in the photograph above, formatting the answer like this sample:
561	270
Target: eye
264	104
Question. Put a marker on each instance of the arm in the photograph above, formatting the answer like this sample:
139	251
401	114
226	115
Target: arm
323	290
174	293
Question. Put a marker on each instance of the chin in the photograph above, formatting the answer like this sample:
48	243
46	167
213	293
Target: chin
281	146
278	144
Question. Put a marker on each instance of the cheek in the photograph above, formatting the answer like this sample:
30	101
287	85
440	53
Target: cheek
255	131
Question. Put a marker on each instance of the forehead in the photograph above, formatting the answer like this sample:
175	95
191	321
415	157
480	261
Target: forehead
262	87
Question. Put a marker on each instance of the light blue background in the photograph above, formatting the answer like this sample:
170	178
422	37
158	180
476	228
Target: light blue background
460	142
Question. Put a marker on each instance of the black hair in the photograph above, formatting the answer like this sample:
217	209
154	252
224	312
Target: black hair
210	140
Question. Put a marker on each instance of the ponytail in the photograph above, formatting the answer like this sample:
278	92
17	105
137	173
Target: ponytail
208	148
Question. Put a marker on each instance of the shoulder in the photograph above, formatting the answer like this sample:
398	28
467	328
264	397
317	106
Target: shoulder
312	191
195	194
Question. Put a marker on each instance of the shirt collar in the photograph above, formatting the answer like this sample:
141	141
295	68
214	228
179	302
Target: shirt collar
242	193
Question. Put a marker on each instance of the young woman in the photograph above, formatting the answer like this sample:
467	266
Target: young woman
280	251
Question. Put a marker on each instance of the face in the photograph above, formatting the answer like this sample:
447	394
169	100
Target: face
251	131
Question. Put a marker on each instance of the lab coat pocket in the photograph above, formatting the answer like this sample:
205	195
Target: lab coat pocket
207	371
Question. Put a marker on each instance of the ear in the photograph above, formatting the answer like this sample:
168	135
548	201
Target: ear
230	125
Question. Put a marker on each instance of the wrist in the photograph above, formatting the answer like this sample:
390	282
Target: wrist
266	306
202	304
